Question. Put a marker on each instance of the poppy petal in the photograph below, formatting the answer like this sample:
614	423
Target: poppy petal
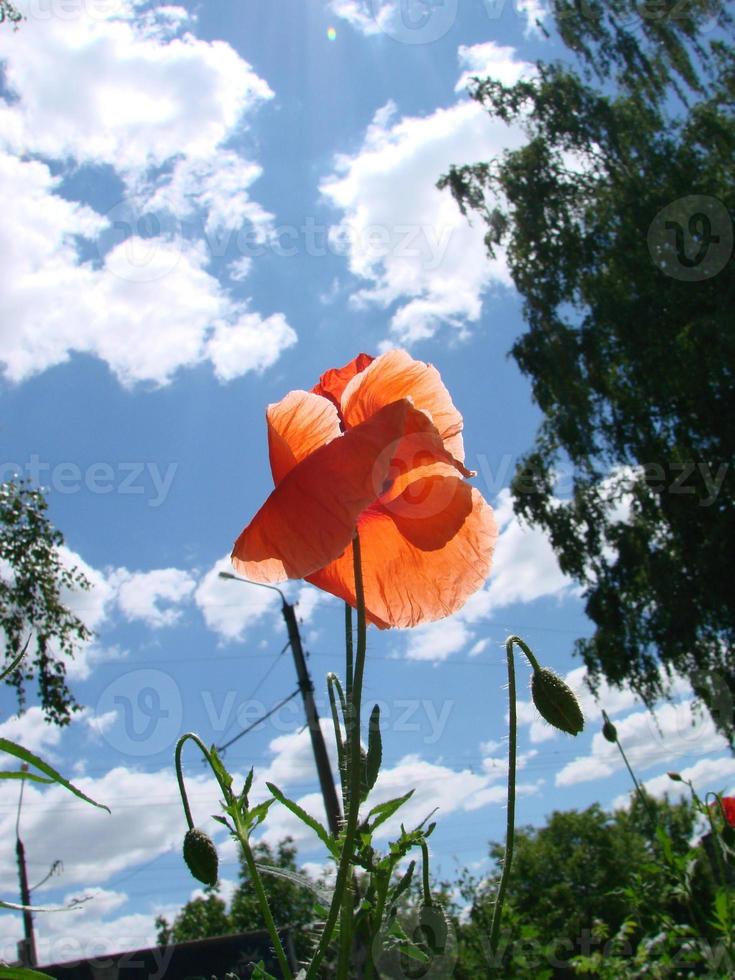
311	516
418	569
332	383
395	375
297	426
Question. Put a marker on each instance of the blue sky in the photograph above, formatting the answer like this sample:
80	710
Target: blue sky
205	207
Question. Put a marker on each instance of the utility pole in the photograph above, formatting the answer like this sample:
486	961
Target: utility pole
329	793
324	770
27	947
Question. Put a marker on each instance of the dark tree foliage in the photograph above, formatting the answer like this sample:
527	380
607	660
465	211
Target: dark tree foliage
33	580
630	340
9	12
580	869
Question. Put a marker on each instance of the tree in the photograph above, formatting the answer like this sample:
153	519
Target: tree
617	217
584	871
291	904
9	12
33	579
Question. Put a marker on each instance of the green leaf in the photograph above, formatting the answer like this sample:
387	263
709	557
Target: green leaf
21	973
15	663
257	815
248	784
25	756
19	774
220	770
305	818
384	811
375	748
260	972
404	884
414	953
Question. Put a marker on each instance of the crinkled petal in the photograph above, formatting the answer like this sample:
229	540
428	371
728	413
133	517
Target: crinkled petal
332	383
417	569
311	516
298	425
395	375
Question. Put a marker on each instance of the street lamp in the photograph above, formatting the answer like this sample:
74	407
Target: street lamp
324	771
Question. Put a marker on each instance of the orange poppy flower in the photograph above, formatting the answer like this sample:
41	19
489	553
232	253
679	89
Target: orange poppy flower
375	447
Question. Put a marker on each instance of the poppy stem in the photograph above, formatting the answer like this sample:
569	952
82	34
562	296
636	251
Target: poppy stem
342	896
348	650
511	814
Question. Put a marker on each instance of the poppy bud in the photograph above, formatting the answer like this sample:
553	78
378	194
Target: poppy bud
200	855
675	776
556	702
609	731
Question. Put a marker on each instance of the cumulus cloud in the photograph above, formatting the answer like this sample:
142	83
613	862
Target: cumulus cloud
423	21
673	731
156	107
524	569
715	774
231	607
139	594
415	251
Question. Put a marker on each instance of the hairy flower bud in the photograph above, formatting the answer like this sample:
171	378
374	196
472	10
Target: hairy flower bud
556	701
200	855
609	731
675	776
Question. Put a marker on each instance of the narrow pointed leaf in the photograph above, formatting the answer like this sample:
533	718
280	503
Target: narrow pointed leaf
25	756
375	747
384	811
15	663
19	774
22	973
304	817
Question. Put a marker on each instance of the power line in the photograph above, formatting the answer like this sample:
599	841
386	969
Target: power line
221	748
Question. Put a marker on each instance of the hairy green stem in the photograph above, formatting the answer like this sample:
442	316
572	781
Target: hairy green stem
510	824
264	906
244	843
349	650
352	725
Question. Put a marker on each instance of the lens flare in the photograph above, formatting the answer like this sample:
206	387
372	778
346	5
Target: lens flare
331	34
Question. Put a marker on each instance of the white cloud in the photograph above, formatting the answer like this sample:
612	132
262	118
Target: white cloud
524	566
524	569
127	287
31	731
672	732
132	96
715	774
490	60
93	844
363	15
438	641
140	594
231	607
372	17
405	238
